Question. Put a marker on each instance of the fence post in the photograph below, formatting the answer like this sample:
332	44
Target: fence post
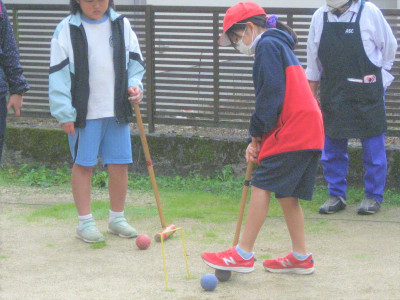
150	67
15	26
289	20
216	67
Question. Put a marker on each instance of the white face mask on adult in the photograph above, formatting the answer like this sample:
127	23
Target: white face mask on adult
248	50
338	7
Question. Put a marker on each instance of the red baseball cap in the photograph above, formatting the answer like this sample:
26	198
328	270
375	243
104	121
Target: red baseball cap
237	13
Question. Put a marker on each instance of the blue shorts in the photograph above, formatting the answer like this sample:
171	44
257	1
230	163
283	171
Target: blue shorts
290	174
103	138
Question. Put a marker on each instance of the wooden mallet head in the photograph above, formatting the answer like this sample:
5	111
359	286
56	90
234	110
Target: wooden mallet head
165	233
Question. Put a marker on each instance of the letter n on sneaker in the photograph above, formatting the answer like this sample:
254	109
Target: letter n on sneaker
229	260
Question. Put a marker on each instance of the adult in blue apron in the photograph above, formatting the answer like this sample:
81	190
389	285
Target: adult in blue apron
352	103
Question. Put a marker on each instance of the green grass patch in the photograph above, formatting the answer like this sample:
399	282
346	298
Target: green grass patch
206	199
98	245
35	175
59	212
3	256
100	210
366	256
319	226
264	256
211	235
204	206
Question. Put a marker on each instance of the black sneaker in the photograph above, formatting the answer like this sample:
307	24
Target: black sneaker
368	206
332	204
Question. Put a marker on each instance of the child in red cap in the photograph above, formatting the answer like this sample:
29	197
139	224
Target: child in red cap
287	137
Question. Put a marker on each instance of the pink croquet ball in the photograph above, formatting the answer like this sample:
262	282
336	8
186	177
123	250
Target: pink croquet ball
143	241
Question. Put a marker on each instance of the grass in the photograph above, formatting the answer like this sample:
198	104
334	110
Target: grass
264	256
365	256
100	210
98	245
204	199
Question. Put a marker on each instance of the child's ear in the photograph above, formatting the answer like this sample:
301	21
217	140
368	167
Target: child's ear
250	25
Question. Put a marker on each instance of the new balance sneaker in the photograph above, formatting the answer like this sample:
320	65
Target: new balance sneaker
368	206
89	233
229	260
332	204
290	264
119	226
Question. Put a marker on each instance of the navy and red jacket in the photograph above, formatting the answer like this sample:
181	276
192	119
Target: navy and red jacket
11	78
287	116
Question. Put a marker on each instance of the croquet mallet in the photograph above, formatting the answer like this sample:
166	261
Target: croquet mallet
245	191
224	275
166	230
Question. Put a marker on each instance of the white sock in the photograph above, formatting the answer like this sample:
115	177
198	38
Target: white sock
83	219
114	214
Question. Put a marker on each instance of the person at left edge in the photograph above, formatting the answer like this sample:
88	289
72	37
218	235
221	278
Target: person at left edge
96	67
12	81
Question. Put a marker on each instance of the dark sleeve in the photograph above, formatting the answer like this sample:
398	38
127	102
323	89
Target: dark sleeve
10	56
269	83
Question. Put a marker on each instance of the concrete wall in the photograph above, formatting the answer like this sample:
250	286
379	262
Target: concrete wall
172	154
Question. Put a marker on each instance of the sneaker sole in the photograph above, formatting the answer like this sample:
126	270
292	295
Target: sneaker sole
365	212
89	241
324	212
299	271
123	236
234	269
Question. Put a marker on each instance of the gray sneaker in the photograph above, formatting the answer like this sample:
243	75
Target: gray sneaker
89	233
368	206
332	204
119	226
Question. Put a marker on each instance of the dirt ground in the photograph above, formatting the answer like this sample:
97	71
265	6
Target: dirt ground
356	257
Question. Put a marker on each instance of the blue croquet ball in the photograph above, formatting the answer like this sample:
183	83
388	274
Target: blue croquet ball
209	282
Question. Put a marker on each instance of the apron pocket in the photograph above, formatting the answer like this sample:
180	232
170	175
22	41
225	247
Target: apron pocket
363	93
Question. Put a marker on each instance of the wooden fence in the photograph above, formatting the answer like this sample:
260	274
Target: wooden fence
189	79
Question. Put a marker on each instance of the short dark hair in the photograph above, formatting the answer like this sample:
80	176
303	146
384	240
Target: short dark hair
74	6
261	21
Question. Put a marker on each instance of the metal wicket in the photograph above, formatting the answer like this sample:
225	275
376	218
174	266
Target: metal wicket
184	253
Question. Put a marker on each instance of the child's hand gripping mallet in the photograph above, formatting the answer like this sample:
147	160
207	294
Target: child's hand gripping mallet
166	232
224	275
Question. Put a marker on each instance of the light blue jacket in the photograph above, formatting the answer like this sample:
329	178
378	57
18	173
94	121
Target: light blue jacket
69	69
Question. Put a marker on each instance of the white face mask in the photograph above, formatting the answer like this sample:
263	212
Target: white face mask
247	50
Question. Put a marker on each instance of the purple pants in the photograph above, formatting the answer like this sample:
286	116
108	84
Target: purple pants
335	162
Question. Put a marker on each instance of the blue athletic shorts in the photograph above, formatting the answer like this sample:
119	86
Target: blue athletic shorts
104	138
290	174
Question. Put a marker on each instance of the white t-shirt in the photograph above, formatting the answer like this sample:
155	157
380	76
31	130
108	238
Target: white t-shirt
101	68
379	42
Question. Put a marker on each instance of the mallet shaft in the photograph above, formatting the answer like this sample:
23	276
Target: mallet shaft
149	163
245	191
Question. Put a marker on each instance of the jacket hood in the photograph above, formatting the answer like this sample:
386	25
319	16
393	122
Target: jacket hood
280	35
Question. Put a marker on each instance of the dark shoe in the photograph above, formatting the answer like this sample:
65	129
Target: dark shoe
332	205
368	206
